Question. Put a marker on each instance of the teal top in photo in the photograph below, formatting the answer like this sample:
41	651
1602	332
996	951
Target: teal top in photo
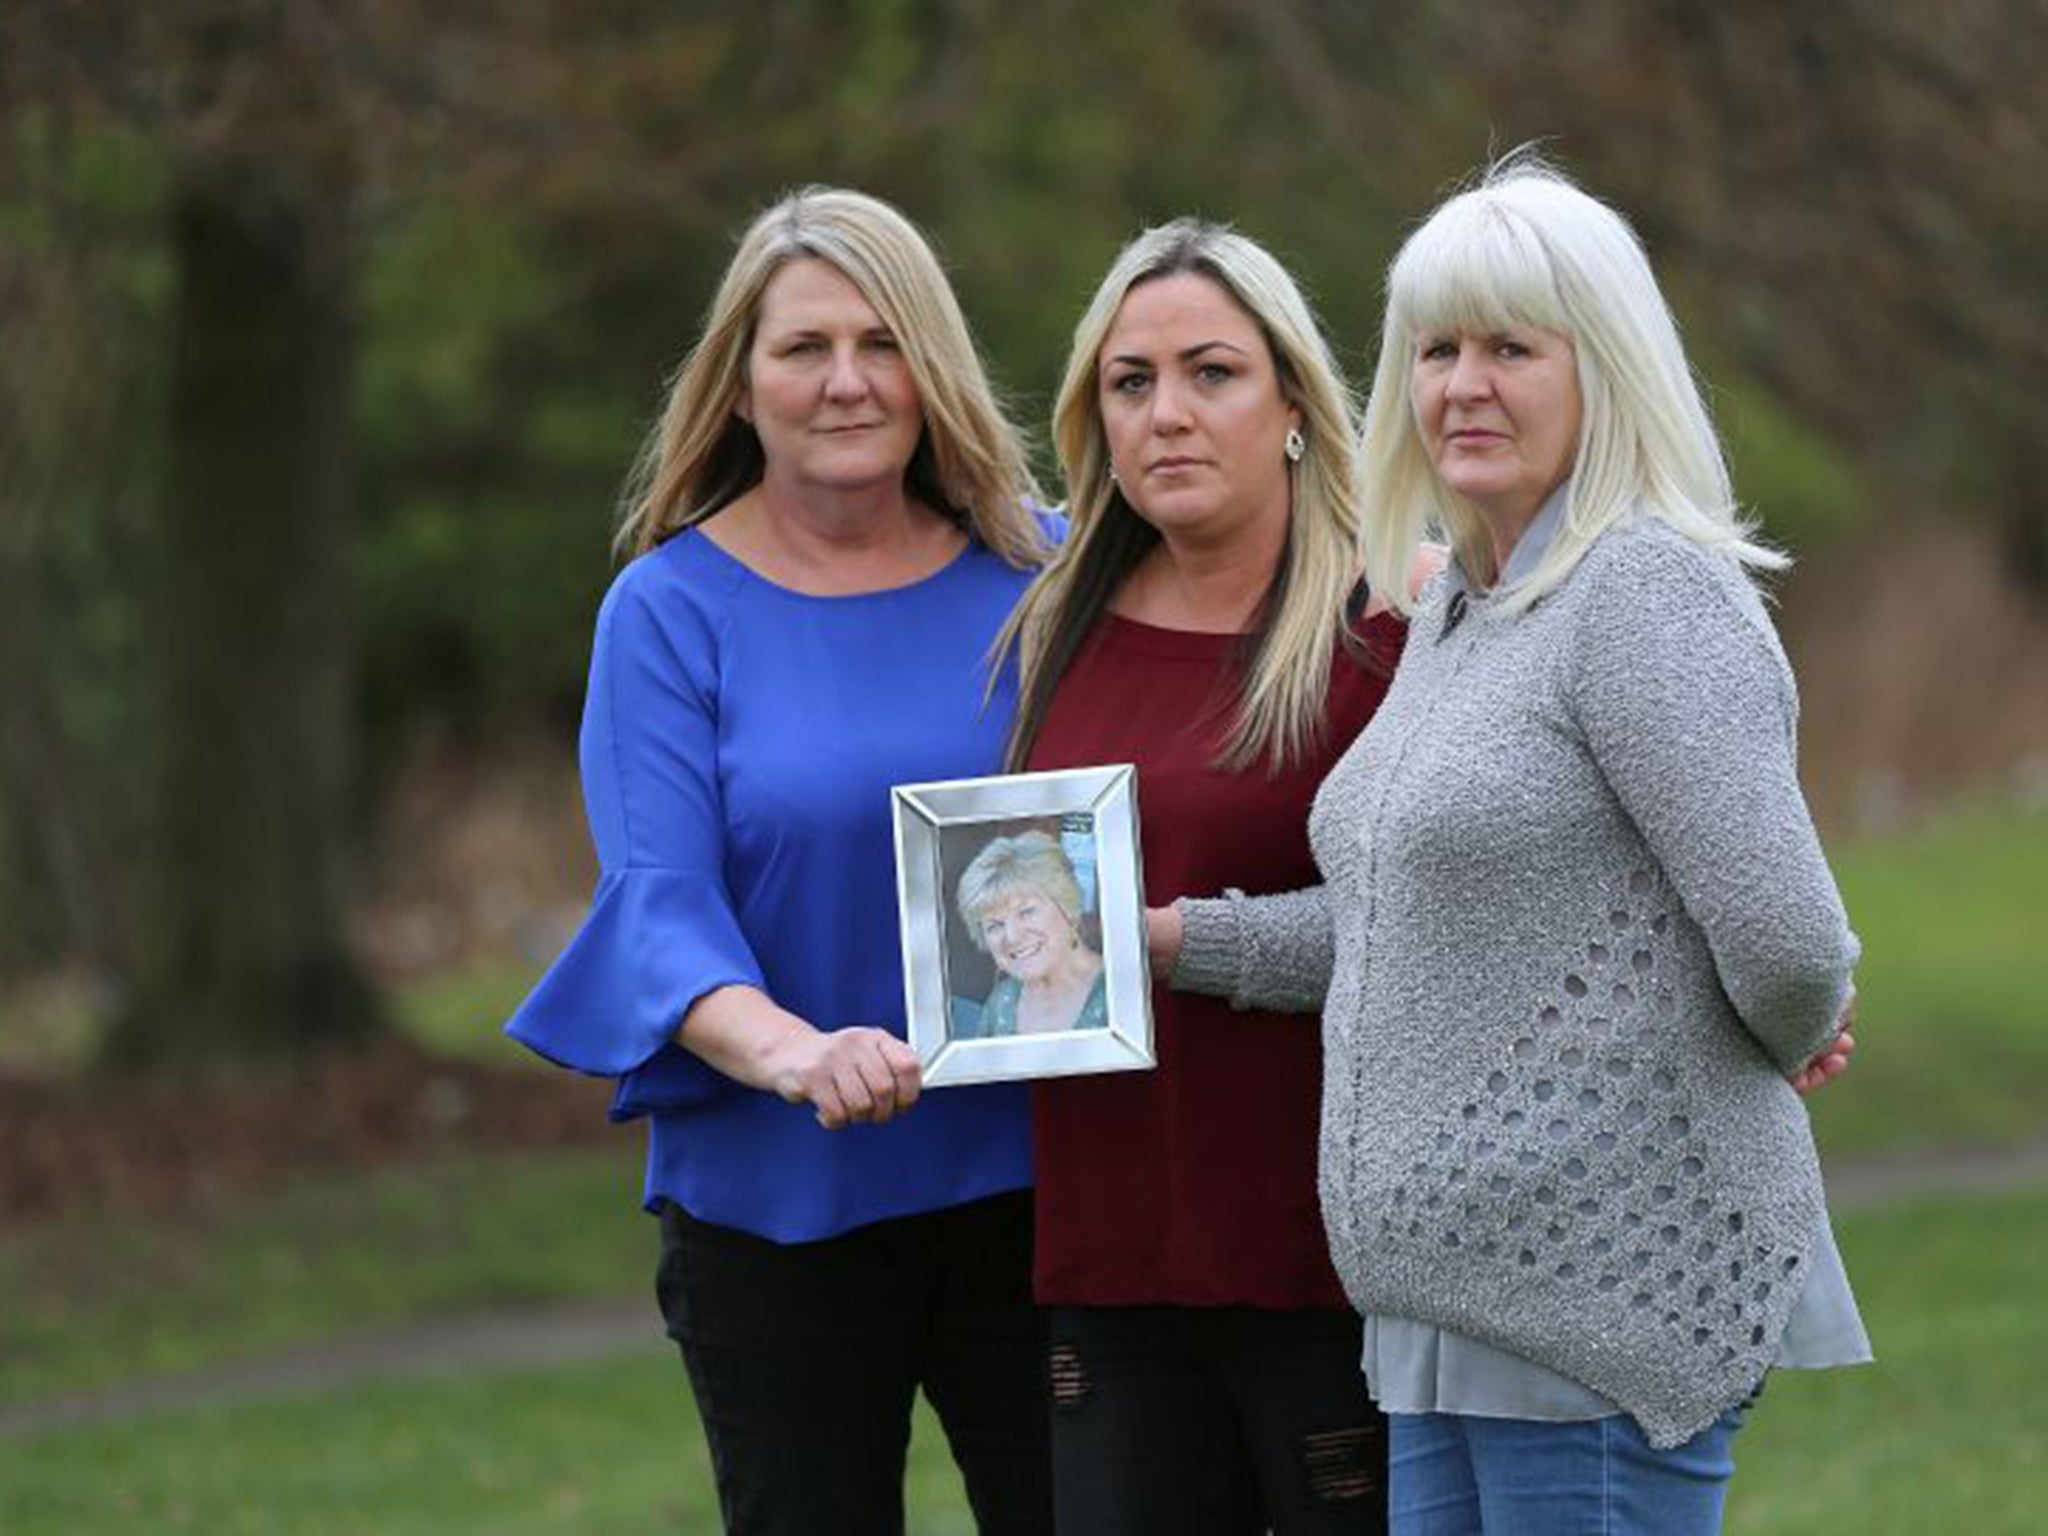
997	1016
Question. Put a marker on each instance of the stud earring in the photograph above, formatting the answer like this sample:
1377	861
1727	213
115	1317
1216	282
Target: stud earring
1294	445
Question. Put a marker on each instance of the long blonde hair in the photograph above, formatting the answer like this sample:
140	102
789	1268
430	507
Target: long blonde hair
969	464
1285	676
1526	247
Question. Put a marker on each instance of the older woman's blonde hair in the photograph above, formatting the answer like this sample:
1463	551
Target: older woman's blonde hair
1527	247
1030	863
1285	676
969	464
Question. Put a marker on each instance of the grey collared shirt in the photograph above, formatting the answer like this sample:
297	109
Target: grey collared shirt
1413	1367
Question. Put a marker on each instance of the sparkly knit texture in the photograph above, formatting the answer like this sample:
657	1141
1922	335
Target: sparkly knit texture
1576	927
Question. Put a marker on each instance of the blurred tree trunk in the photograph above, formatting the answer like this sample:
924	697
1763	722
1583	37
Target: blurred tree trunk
242	945
62	888
49	793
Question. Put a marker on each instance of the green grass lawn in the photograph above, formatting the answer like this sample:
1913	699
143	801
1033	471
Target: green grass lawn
1955	1049
612	1446
1948	1433
1952	1028
92	1302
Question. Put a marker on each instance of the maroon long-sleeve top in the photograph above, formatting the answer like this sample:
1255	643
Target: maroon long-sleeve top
1194	1184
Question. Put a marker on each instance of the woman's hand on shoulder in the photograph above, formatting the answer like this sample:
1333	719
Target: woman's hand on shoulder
1428	564
1429	561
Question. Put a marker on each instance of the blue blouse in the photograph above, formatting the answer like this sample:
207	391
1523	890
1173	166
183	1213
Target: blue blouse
739	742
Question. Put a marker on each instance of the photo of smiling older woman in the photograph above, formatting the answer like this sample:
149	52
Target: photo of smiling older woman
1022	904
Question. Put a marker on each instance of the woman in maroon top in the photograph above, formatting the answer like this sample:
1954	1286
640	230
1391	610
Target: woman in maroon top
1202	622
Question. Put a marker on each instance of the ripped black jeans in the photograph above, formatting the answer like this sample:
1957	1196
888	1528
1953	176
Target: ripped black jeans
1213	1421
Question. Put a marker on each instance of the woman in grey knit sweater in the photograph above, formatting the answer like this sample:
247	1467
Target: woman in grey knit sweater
1577	929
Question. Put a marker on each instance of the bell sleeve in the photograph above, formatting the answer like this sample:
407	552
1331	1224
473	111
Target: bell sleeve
662	930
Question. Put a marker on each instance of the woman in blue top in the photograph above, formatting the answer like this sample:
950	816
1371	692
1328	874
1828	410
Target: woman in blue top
828	527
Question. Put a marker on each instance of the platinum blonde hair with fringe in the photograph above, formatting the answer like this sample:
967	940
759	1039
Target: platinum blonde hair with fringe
1283	694
970	463
1525	246
1028	864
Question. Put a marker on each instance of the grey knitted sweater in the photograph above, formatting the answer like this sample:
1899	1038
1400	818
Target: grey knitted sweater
1575	929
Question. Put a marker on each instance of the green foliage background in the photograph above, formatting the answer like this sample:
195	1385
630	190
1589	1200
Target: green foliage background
547	195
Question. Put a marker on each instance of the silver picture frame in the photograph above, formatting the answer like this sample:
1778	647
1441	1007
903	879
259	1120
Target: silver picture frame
1072	832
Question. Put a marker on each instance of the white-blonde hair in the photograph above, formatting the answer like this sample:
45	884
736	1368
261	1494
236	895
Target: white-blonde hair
1525	246
1030	863
1283	693
969	464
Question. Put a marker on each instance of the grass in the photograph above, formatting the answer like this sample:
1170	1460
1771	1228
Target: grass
1952	1027
92	1302
608	1446
517	1453
1948	1433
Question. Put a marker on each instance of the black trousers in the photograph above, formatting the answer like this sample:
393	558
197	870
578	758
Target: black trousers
806	1358
1213	1421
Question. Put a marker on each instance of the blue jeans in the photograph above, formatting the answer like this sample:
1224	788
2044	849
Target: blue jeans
1454	1474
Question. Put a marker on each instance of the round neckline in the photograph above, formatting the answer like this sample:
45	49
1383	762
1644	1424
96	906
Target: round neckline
1158	640
726	557
1203	644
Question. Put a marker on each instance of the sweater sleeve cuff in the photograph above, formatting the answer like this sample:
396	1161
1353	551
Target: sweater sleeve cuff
1211	946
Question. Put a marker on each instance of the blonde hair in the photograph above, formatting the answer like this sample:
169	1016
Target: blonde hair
1525	246
1030	863
1282	697
969	464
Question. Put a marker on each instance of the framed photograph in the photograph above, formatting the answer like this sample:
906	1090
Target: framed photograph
1023	906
